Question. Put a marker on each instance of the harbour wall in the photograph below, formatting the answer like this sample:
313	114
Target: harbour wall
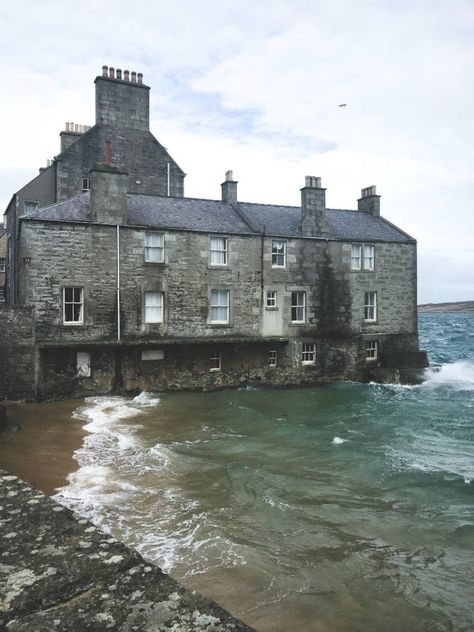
59	572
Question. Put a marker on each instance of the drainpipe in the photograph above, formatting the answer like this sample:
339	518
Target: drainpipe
118	283
168	178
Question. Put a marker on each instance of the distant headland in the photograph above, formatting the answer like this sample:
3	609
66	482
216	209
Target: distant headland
461	306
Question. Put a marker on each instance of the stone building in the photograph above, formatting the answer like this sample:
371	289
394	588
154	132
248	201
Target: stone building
142	288
3	262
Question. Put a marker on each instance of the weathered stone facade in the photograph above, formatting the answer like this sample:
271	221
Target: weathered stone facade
122	119
164	292
3	262
17	353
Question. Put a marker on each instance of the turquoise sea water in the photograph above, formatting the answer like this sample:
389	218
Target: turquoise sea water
338	508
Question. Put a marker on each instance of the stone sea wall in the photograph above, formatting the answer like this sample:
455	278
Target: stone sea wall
17	353
60	573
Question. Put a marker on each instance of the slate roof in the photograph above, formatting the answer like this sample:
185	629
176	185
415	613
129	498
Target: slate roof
215	216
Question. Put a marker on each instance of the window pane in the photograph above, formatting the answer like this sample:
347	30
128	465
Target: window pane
220	306
356	251
278	253
154	247
368	257
218	251
153	307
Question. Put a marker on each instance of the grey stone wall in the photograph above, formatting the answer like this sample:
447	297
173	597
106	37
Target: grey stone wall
59	572
85	255
146	164
17	353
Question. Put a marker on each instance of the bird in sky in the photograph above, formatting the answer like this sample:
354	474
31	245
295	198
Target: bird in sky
342	105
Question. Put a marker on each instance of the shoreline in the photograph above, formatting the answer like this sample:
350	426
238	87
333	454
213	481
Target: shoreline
47	434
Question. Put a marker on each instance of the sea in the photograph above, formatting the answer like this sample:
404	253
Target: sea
339	508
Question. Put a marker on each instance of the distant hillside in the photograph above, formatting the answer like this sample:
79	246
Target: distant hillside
464	306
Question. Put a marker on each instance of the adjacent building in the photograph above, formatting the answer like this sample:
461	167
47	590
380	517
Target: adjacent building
134	286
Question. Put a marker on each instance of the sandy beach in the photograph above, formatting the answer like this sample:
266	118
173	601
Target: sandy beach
41	451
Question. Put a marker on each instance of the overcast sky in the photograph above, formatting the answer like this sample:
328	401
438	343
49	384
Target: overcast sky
255	87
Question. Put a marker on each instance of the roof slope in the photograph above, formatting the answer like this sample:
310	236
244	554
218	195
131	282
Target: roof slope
219	217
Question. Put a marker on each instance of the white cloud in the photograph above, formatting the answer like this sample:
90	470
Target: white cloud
255	87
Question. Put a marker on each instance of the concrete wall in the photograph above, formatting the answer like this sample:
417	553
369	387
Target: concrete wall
17	353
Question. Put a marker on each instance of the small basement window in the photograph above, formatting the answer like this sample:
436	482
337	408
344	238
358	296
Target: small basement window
215	363
272	358
308	355
86	184
371	350
83	364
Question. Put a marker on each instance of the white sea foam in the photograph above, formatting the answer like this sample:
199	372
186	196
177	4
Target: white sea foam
458	375
338	440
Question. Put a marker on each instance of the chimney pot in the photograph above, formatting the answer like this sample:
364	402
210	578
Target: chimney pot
119	73
369	201
105	71
134	76
112	72
140	77
126	75
229	188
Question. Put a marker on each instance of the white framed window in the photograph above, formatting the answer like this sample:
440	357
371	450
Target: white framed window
356	257
371	350
370	306
218	251
2	264
298	305
363	257
73	305
215	360
86	184
83	364
220	306
278	253
154	307
308	353
271	298
369	257
154	247
272	358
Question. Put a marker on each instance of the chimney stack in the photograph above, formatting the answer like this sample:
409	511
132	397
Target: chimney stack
229	189
122	99
313	208
109	185
369	201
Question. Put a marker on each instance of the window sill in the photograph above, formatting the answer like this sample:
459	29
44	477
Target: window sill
155	264
219	325
271	309
214	370
218	266
73	324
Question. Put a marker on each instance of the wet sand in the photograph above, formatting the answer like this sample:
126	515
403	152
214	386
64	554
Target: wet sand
41	451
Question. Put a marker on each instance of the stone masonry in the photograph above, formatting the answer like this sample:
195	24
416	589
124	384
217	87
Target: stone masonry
59	572
234	292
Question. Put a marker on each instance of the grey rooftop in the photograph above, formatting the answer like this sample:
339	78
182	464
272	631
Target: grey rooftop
215	216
